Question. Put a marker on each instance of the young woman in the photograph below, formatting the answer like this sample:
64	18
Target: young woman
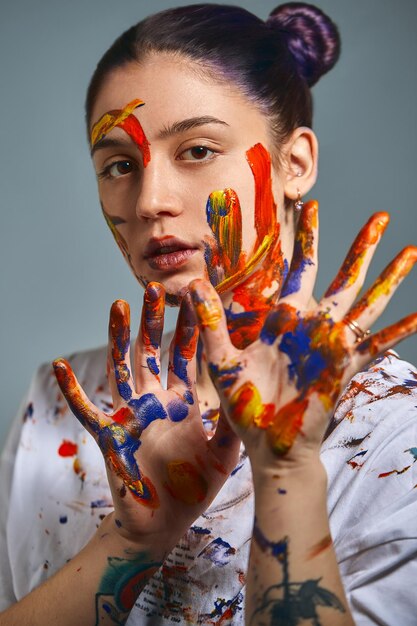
199	121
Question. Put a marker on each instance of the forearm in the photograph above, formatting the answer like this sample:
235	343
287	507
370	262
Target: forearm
98	586
293	573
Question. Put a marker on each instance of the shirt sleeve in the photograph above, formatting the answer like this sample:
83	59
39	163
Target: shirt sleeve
7	460
371	459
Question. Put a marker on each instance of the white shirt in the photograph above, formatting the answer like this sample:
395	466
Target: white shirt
50	505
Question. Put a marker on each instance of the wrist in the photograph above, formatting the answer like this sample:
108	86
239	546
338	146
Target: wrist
156	545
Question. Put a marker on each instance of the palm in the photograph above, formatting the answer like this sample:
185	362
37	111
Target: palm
154	443
279	392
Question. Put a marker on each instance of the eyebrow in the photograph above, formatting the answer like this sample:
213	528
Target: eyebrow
188	124
109	142
167	131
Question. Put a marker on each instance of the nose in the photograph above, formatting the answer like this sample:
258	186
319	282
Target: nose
158	195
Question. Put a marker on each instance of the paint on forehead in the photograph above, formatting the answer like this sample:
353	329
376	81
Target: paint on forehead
123	118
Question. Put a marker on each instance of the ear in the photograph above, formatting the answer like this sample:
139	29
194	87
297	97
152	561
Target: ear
300	162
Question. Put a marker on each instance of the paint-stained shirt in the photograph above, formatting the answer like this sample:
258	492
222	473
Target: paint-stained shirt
54	494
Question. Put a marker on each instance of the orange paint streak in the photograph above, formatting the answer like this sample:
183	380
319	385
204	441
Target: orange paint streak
287	425
208	309
369	235
265	209
320	547
247	407
393	274
185	483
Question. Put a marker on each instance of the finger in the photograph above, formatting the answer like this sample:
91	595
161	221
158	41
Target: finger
387	338
349	280
182	352
367	310
120	378
299	284
84	410
221	355
148	343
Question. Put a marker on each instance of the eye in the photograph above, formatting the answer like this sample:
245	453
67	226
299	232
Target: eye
197	153
117	169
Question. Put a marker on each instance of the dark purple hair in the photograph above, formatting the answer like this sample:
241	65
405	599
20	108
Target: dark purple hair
274	63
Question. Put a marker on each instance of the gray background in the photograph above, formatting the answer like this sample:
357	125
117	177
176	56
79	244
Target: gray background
60	269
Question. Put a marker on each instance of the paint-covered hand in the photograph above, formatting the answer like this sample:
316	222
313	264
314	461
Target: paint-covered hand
279	392
162	468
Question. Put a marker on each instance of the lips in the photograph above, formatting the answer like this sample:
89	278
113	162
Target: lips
167	253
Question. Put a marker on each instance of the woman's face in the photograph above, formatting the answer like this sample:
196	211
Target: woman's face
171	166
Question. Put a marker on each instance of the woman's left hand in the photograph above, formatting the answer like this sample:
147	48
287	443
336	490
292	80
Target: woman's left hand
279	392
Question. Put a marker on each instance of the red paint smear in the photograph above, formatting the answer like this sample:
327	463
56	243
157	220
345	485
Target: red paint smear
265	208
133	128
67	448
129	593
250	293
122	416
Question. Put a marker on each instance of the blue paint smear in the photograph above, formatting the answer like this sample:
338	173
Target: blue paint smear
293	282
237	468
152	365
100	504
221	211
124	390
413	451
180	365
177	410
147	409
218	552
225	376
305	365
198	530
269	330
211	268
188	397
29	411
63	519
278	549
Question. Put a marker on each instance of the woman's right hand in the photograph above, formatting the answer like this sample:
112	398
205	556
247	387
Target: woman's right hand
162	468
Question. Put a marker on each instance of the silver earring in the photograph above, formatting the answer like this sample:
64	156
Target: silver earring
298	204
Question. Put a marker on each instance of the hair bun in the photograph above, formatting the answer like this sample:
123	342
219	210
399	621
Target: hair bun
312	38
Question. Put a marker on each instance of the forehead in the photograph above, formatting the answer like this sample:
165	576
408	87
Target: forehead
172	89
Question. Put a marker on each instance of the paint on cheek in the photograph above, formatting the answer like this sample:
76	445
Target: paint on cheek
185	483
265	209
225	220
124	119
